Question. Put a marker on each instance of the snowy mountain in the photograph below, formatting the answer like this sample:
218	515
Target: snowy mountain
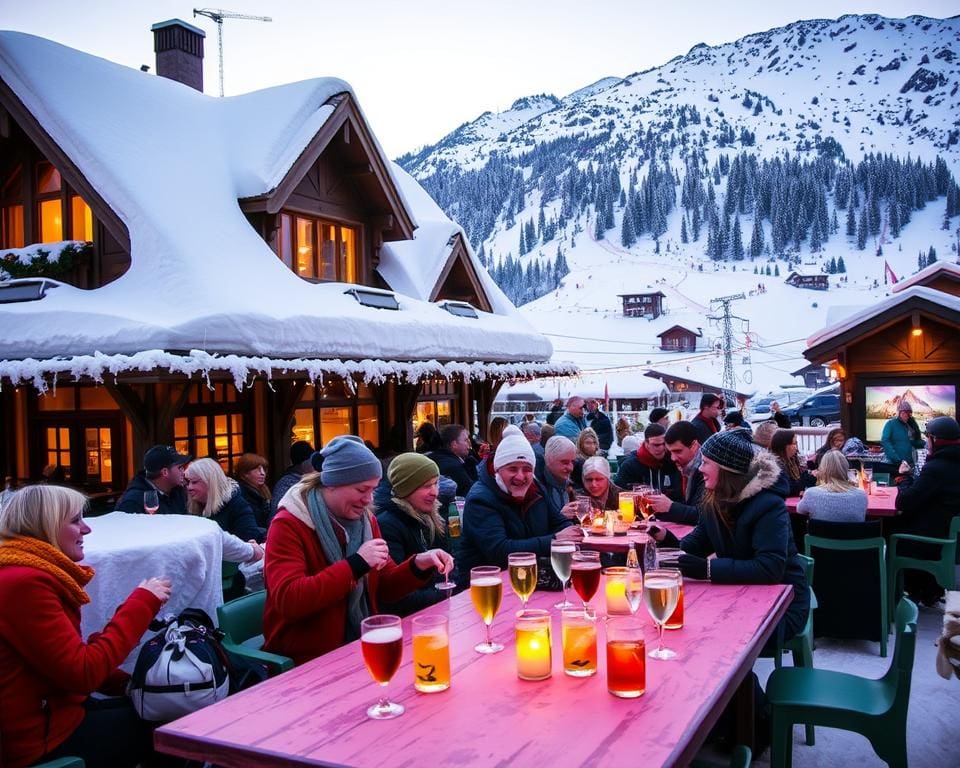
822	146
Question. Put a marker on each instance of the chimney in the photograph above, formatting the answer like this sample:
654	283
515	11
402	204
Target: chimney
179	49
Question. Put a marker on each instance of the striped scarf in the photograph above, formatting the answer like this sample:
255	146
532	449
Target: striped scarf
34	553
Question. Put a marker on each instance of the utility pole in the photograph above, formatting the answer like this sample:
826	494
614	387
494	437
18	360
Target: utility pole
725	319
218	15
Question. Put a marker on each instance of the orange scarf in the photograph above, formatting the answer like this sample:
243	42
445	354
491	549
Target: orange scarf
34	553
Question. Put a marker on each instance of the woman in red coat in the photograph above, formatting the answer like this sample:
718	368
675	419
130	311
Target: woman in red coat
47	672
326	566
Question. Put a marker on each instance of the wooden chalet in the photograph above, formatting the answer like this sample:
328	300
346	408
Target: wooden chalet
680	384
243	273
813	376
813	282
649	305
941	276
679	339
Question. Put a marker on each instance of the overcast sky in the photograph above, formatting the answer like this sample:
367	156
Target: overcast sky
420	68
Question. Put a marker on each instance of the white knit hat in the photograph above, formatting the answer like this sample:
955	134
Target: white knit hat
513	447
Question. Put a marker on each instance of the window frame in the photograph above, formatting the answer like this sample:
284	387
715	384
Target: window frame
321	399
288	226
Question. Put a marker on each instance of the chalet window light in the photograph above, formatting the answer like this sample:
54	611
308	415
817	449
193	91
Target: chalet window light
460	308
371	297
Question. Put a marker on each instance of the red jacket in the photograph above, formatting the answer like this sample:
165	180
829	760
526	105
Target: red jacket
305	614
46	670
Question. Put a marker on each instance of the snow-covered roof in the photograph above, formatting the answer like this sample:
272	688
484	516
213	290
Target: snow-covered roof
937	268
944	300
200	277
621	385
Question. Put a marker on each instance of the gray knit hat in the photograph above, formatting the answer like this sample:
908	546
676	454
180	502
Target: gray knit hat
732	450
346	460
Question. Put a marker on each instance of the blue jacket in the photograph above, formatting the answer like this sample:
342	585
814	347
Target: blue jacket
568	426
899	440
494	525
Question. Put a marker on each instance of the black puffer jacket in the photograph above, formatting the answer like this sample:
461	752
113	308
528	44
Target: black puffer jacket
930	501
236	517
173	503
259	505
463	473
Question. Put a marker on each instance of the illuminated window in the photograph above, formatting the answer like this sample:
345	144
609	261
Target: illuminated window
329	410
81	219
211	425
436	403
12	226
305	247
319	249
51	221
58	448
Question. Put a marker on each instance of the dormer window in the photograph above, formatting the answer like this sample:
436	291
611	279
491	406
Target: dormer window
319	249
56	212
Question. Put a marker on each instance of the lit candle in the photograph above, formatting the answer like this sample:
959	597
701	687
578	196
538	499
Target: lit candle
534	653
627	511
615	590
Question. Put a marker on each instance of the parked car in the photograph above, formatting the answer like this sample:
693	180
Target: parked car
758	408
818	410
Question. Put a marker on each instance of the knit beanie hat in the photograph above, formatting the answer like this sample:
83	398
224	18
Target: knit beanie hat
346	460
596	464
409	471
732	450
513	447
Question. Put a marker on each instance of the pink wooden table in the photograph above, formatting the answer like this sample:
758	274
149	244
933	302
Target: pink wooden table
314	714
622	543
880	503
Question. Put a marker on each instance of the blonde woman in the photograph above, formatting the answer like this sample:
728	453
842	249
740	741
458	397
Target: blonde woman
212	494
588	445
834	497
49	672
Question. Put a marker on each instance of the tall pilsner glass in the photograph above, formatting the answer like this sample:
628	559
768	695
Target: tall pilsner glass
561	558
486	591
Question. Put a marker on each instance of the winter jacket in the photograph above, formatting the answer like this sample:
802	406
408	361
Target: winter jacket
556	492
258	505
406	538
462	471
612	499
236	517
899	440
173	503
305	614
930	501
569	426
759	549
705	427
600	423
287	480
687	509
494	525
46	670
556	412
642	468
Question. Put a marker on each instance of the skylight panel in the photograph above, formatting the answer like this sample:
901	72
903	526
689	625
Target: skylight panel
371	297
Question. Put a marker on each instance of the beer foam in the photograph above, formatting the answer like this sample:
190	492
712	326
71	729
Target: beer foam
383	635
485	581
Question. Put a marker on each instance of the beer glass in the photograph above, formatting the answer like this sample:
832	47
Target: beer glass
486	591
626	662
676	618
633	589
523	574
579	634
381	642
431	653
585	575
561	558
626	504
661	589
151	502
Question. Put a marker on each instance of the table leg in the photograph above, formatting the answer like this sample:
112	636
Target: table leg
743	709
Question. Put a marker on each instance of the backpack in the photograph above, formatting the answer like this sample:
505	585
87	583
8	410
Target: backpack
181	669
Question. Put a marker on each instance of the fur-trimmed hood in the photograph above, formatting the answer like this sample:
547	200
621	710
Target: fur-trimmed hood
764	473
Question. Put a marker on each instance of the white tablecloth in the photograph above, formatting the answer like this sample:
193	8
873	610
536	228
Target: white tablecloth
124	549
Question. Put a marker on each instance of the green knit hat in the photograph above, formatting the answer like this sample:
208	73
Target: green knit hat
409	471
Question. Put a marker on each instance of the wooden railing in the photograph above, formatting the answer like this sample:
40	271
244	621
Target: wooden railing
810	438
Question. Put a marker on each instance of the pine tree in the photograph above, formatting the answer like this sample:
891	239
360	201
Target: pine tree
931	256
921	260
627	236
862	231
893	218
776	270
841	267
851	222
600	230
523	240
736	246
768	273
684	238
756	239
531	236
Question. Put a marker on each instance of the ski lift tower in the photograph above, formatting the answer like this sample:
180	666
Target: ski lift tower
218	15
726	319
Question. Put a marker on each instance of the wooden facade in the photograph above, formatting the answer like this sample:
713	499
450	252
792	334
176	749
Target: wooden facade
649	305
680	384
679	339
813	282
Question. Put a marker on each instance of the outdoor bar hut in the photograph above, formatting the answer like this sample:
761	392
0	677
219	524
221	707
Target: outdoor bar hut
223	275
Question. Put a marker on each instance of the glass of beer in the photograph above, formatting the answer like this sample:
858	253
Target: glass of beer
626	660
486	591
561	557
381	641
523	574
579	631
431	653
626	504
584	512
585	575
661	589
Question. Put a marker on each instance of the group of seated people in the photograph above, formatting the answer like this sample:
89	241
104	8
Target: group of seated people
331	559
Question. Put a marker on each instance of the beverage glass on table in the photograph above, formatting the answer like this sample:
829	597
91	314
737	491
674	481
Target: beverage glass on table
626	504
633	589
584	512
486	591
534	646
579	633
151	502
561	558
661	589
381	642
523	574
585	575
615	590
675	621
626	660
431	653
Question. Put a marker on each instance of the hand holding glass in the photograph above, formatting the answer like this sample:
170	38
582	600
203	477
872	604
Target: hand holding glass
486	591
151	502
381	641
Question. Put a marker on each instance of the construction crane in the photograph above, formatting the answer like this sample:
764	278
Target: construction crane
218	15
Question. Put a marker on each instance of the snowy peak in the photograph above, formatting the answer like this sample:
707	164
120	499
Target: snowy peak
594	88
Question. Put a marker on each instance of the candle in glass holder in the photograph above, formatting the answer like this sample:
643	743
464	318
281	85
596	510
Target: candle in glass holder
627	510
534	652
615	591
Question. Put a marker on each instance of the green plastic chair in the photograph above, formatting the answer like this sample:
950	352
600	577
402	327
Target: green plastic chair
881	478
739	758
613	466
852	545
801	644
63	762
876	709
943	570
242	621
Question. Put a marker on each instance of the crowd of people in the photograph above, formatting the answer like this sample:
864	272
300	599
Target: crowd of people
346	534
